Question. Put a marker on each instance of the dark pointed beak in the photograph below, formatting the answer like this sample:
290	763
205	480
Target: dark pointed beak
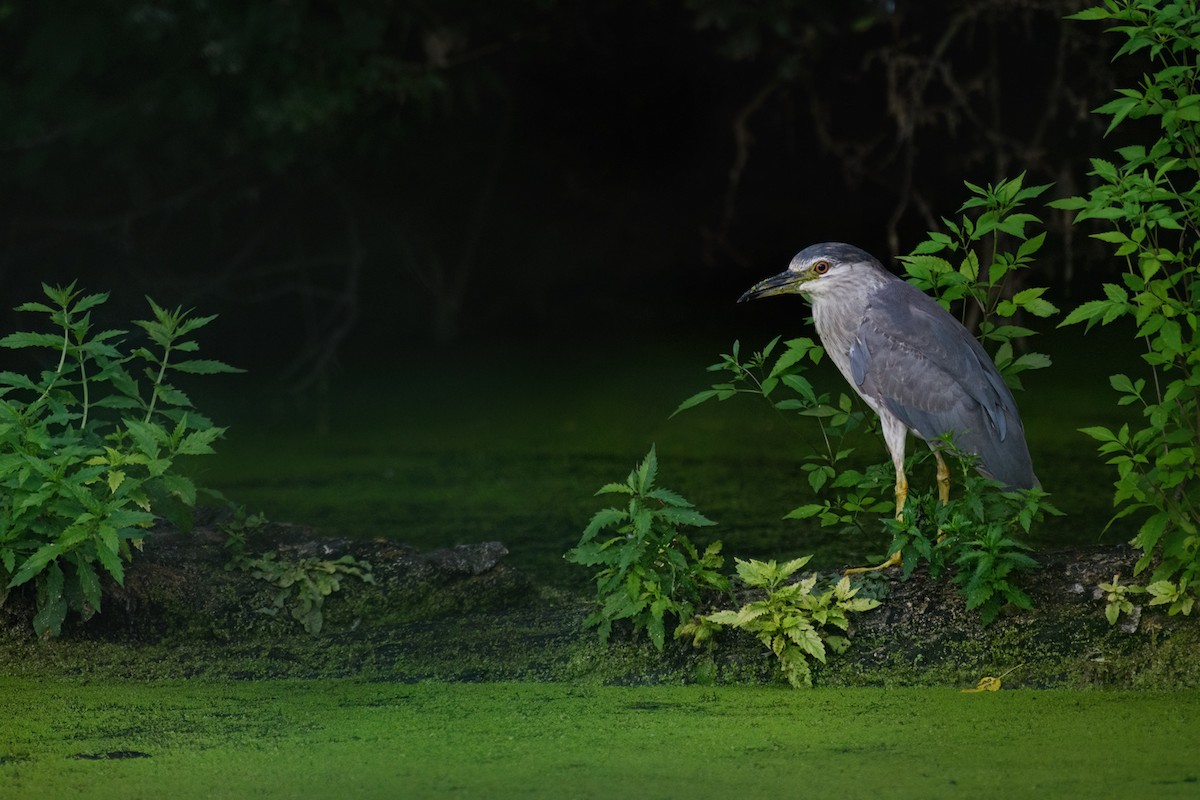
783	283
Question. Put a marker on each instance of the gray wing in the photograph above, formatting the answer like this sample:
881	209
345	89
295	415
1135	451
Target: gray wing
924	367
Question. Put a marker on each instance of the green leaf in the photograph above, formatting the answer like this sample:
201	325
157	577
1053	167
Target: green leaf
199	442
792	566
685	516
1031	245
1151	531
695	400
1091	14
1031	300
787	359
199	366
647	471
36	563
1089	312
657	632
1122	383
146	435
806	511
1069	203
38	307
180	486
724	617
89	583
28	339
1032	361
17	381
604	518
123	518
52	603
172	396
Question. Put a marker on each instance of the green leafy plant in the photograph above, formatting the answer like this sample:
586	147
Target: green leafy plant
1147	202
237	530
973	537
305	583
794	622
88	449
650	571
987	289
1117	600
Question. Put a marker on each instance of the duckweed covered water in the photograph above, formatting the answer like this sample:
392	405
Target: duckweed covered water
341	739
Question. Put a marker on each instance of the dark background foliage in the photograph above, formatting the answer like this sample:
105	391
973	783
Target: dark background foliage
342	176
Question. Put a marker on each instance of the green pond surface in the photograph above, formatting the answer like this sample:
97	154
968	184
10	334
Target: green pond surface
342	739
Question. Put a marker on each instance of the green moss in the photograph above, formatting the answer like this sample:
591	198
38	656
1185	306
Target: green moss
350	739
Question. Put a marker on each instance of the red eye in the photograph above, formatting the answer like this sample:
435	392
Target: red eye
821	267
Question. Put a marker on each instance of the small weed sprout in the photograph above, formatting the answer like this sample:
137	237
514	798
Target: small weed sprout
792	620
650	571
236	531
305	583
1117	600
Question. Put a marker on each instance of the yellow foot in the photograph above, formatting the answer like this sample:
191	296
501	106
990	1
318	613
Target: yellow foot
894	560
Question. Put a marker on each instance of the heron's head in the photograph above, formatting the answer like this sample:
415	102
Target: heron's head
819	269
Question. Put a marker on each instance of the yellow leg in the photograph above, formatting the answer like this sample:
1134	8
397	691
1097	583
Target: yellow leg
943	481
943	478
895	559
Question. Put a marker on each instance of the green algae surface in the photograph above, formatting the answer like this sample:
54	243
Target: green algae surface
315	739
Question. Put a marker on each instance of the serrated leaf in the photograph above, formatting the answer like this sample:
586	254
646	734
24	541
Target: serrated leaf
685	516
695	400
199	442
171	396
31	339
1089	312
787	359
604	518
17	381
36	563
669	498
53	605
89	583
792	566
180	486
38	307
647	471
146	435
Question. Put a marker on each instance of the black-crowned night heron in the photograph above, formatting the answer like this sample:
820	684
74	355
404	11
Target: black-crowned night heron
913	364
